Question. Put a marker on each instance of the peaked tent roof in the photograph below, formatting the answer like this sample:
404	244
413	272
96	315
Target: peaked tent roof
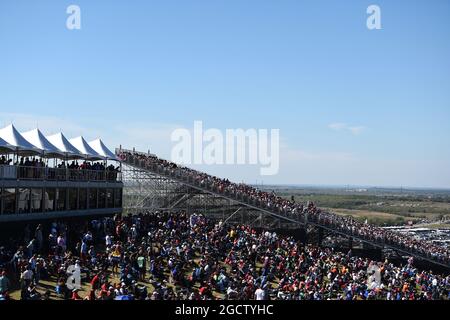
61	142
36	138
102	150
5	147
20	144
84	148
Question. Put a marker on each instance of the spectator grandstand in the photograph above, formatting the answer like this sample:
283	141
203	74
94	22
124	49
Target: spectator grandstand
304	213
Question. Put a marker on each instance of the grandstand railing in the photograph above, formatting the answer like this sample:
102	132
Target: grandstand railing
179	175
8	172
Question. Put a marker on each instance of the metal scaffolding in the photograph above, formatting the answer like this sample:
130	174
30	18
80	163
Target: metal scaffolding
147	191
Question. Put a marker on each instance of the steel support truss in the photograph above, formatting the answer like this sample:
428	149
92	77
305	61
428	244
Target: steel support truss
146	191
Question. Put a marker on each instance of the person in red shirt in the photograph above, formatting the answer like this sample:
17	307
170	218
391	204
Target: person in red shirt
204	291
95	283
75	295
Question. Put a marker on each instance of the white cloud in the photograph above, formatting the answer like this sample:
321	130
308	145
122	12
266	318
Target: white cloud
356	130
338	126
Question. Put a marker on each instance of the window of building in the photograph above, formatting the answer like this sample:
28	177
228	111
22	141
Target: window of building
118	198
110	198
60	199
50	199
9	200
101	198
82	204
73	199
24	200
36	200
92	198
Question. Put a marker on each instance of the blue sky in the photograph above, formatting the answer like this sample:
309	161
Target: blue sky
134	72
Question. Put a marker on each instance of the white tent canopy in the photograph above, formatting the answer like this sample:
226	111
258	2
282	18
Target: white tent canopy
102	150
20	144
36	138
61	142
5	147
84	148
35	143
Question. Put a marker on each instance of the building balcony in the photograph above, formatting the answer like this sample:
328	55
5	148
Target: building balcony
9	172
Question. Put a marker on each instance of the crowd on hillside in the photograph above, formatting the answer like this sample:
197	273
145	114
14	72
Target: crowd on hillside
34	168
290	208
176	256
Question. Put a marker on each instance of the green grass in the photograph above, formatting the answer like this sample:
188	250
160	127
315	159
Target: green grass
378	209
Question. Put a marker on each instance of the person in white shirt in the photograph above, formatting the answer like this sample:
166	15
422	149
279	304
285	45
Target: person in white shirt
62	243
108	241
26	277
260	294
434	282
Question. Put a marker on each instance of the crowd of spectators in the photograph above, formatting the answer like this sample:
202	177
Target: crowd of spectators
306	212
5	161
34	168
176	256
